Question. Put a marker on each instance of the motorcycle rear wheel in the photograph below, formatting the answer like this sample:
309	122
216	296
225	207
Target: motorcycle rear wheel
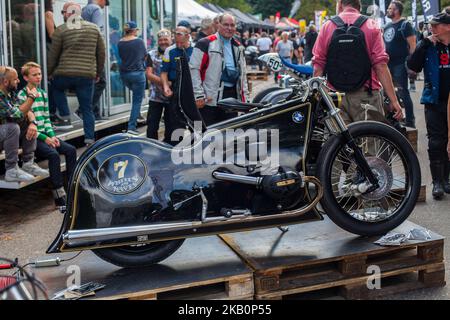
397	167
139	255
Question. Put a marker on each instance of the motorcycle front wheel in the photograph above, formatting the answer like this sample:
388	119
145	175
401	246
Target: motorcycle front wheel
139	255
395	164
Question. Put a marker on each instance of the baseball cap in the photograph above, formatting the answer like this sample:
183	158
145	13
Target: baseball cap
130	25
184	23
441	18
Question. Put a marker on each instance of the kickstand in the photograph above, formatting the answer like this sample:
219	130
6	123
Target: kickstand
284	229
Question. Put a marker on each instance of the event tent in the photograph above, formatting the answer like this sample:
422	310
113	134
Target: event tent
193	12
261	24
245	20
214	7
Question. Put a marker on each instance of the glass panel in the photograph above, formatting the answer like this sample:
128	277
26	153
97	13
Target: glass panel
58	6
136	8
153	22
2	34
23	32
168	14
117	17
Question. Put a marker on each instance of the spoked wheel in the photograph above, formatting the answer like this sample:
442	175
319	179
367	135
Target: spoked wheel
347	200
139	255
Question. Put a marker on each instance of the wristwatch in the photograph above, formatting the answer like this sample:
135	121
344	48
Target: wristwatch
34	122
31	96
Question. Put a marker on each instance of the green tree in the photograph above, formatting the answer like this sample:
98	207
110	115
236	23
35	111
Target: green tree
309	6
241	5
270	7
445	3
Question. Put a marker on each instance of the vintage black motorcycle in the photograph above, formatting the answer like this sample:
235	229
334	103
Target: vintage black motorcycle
133	201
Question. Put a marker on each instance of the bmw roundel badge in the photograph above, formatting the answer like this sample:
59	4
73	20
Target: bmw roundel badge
298	117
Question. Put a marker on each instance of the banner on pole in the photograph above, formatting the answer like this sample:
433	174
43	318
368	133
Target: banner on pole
430	8
414	12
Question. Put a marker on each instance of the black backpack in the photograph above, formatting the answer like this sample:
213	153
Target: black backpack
348	64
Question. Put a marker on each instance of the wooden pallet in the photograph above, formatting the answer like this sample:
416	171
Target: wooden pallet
203	268
412	135
319	256
257	75
257	78
422	194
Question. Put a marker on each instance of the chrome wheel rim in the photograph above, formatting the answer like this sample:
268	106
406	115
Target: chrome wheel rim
389	166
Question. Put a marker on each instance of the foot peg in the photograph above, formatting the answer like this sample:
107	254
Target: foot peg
230	213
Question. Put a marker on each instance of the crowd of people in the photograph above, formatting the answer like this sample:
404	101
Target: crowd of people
382	62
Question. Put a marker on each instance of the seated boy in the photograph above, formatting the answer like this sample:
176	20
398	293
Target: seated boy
17	126
48	145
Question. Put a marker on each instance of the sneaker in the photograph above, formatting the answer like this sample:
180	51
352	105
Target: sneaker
33	169
141	120
18	175
89	142
62	124
79	114
60	200
133	132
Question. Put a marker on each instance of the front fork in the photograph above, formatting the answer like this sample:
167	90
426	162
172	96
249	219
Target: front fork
339	126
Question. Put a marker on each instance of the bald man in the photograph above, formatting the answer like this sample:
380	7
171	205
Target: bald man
17	124
75	61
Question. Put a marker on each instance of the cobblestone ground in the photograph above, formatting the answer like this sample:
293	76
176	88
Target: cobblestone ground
29	221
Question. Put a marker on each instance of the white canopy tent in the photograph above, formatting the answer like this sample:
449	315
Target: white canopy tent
193	12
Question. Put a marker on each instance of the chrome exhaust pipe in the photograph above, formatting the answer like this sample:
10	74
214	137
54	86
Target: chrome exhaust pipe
105	234
77	237
254	181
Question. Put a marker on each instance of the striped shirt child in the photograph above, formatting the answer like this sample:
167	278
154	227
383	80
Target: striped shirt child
41	112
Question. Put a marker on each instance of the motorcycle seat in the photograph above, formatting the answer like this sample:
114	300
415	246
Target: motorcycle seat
235	105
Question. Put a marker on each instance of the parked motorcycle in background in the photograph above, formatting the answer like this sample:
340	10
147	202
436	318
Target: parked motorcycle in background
251	56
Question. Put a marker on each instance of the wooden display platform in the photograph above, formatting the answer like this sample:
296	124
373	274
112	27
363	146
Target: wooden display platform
203	268
412	136
317	256
257	75
308	261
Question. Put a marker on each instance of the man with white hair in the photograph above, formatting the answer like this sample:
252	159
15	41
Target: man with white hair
285	48
207	28
218	71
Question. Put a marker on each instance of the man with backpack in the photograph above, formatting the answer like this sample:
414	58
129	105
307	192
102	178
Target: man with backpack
400	41
350	52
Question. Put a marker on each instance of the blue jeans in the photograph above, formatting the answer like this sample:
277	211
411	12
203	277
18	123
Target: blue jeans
54	162
135	81
84	89
400	78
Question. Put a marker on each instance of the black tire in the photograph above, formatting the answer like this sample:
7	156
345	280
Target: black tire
412	169
258	98
139	256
